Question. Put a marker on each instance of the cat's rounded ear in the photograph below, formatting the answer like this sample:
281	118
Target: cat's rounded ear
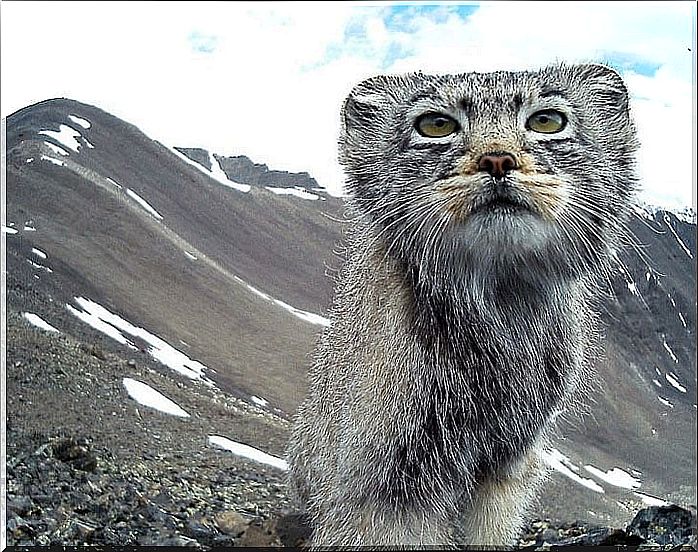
371	97
364	101
605	83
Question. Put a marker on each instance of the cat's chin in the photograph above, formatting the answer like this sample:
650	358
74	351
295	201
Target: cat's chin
505	230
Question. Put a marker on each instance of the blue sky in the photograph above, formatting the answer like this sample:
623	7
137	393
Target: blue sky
267	79
627	61
403	17
400	20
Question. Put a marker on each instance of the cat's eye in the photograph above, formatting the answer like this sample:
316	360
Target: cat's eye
435	125
547	121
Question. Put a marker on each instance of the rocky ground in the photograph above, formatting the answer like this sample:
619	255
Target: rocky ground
88	465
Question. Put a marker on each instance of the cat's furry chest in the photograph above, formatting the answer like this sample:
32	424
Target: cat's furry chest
481	398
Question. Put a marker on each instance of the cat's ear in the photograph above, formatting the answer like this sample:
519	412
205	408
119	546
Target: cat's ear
373	97
605	83
365	101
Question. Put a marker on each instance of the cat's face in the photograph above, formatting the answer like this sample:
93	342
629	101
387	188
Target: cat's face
496	168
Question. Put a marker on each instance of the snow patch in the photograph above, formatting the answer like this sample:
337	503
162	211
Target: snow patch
84	123
39	253
66	135
8	230
260	293
215	166
56	149
87	143
303	315
39	266
675	382
115	183
192	257
667	221
656	382
668	349
683	320
29	160
665	402
143	203
296	191
147	396
258	400
559	462
651	500
218	174
39	322
112	325
52	160
98	324
247	451
615	476
686	214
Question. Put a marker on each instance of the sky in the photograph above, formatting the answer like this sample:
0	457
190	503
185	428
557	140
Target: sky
267	79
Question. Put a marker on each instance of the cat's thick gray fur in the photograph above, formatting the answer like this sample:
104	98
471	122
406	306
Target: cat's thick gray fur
459	333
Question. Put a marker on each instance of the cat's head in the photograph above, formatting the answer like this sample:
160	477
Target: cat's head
513	169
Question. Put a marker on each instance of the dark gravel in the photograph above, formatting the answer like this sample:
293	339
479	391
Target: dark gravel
87	465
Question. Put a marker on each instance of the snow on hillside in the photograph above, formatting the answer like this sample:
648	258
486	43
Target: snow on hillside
296	191
303	315
66	135
84	123
113	325
216	173
617	477
143	203
53	160
36	320
561	463
143	394
649	210
247	451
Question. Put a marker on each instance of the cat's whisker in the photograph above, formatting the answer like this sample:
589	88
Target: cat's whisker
405	218
417	216
624	233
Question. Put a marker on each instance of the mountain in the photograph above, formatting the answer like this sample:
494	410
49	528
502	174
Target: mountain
148	236
209	277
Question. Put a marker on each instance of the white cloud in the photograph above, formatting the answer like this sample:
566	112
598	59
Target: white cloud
267	79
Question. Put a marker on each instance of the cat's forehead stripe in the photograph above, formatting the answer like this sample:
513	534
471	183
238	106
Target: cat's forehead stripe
424	94
547	92
462	89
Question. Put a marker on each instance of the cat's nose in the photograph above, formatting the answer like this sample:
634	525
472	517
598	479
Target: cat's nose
497	164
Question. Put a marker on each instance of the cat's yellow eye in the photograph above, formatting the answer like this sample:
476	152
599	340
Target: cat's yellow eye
435	125
548	121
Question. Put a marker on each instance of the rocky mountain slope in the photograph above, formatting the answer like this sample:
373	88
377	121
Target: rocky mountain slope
207	278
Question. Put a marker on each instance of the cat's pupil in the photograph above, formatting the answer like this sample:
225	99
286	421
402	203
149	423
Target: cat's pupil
543	119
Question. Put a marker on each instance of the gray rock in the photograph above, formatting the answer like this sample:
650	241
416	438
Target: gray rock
20	505
231	523
664	525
